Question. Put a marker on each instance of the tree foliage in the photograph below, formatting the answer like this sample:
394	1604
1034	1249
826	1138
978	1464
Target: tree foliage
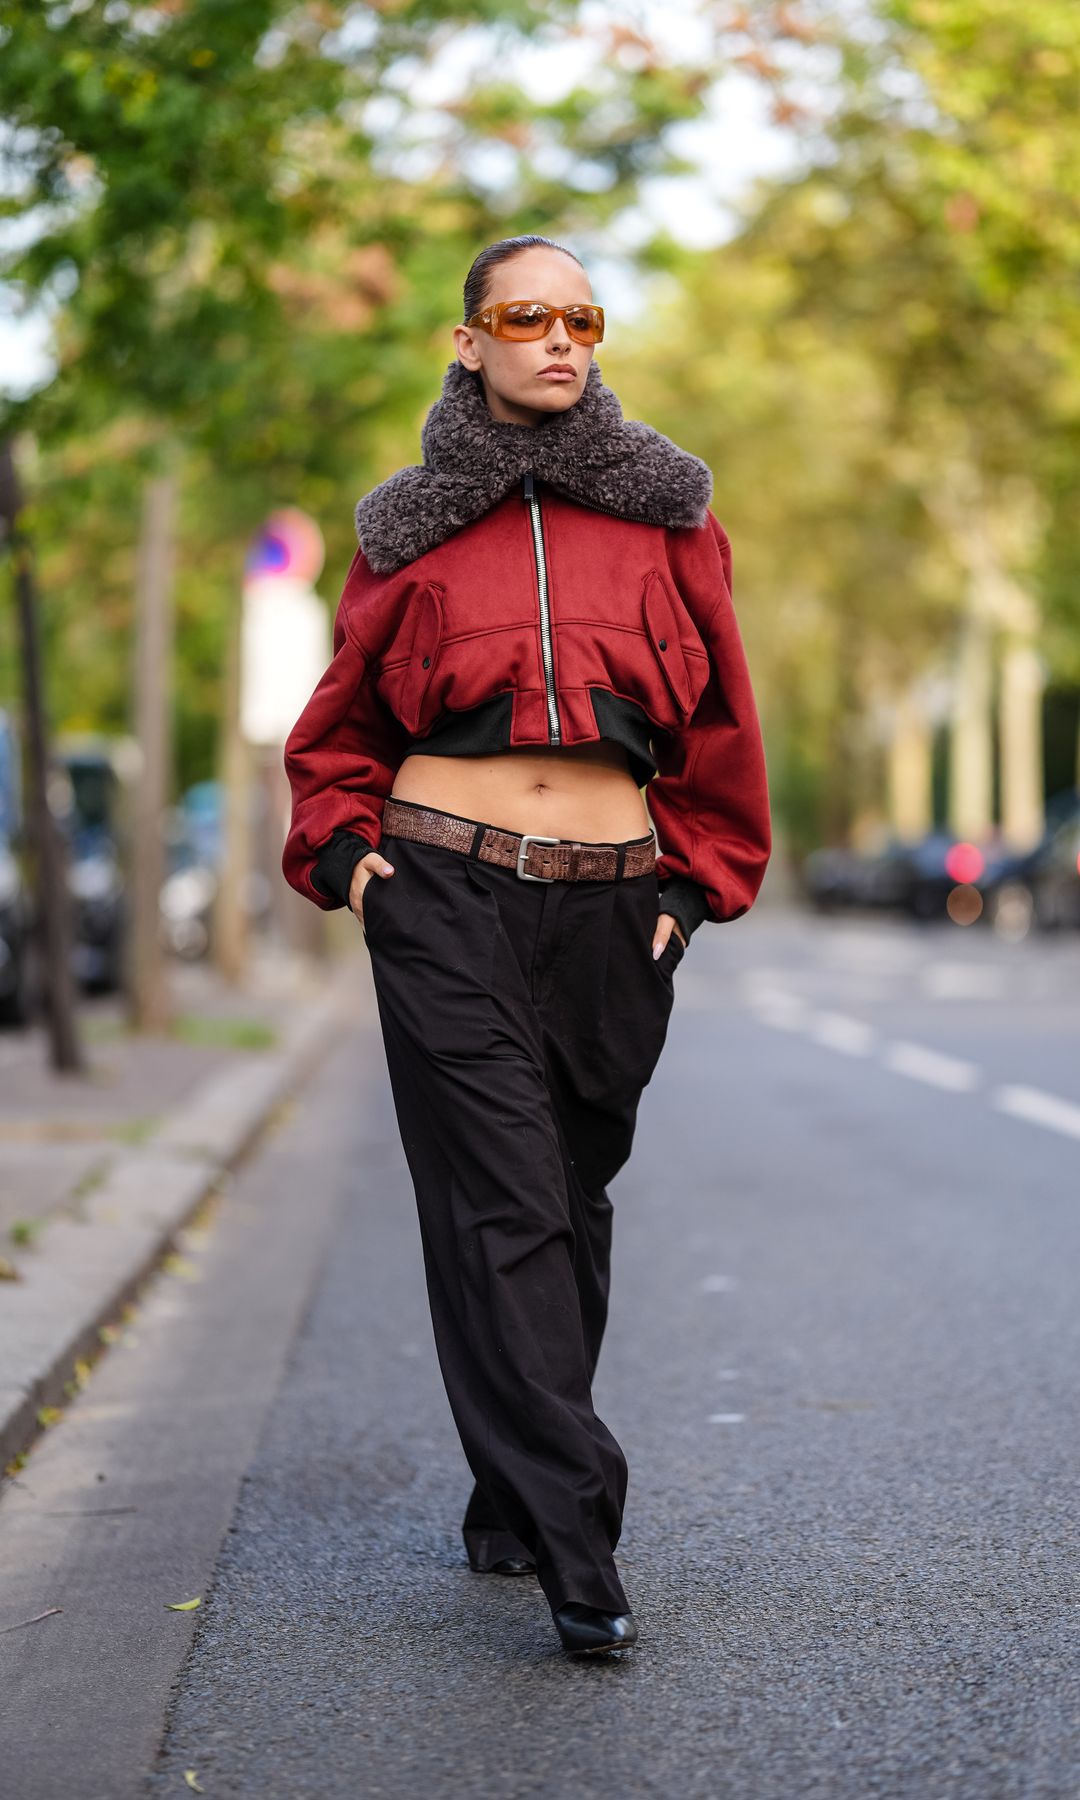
259	229
898	320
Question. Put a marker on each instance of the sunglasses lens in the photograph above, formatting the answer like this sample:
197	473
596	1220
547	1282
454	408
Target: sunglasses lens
526	319
584	325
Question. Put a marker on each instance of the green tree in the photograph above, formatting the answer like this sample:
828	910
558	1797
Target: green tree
254	265
882	369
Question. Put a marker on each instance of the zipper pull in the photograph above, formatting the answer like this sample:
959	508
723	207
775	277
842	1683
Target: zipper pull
528	492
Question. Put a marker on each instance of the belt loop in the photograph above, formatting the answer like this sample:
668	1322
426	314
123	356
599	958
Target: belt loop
477	838
620	860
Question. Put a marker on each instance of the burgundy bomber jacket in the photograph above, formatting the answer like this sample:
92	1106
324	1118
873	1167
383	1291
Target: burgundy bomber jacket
533	578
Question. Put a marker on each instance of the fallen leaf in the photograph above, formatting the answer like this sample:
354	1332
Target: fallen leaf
184	1605
193	1781
175	1264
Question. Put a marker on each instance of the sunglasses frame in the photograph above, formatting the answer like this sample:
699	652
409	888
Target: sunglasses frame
490	319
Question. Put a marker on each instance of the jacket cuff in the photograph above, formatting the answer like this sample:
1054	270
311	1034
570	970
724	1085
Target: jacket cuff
686	901
332	873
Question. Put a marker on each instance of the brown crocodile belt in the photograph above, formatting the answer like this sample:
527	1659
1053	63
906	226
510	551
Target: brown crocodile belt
530	854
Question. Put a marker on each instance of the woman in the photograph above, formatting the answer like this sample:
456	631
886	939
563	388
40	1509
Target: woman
536	622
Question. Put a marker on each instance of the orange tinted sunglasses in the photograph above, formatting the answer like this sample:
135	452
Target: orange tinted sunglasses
523	319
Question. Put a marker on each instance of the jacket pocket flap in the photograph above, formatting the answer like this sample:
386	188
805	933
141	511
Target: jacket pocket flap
423	654
663	630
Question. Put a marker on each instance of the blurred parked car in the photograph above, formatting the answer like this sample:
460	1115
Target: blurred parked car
829	876
17	979
101	911
16	940
193	854
1039	887
942	863
943	876
90	790
835	877
903	877
202	807
1056	879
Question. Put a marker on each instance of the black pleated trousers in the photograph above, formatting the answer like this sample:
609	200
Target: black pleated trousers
521	1021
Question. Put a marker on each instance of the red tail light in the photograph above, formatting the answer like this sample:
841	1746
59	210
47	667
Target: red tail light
964	862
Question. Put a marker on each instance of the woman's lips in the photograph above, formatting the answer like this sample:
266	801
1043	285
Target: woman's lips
557	375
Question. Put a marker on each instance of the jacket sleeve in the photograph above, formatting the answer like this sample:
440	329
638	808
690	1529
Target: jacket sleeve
341	757
709	799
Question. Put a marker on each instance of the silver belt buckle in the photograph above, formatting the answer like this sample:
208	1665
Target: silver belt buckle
527	838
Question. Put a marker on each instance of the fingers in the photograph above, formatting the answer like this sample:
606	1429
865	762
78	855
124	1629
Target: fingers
371	864
662	935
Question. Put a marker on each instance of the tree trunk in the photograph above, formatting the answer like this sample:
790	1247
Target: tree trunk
992	536
911	807
52	907
149	1004
1022	681
971	764
230	913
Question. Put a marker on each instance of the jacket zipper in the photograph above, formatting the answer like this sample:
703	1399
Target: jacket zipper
533	499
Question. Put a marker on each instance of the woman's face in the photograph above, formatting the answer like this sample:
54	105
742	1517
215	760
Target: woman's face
517	391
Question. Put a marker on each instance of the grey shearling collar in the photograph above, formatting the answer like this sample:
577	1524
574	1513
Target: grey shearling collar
471	462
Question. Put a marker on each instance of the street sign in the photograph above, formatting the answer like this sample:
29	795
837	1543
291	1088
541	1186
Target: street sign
285	633
285	648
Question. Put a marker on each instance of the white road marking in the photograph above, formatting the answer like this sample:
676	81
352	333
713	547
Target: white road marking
1040	1108
930	1065
963	981
726	1418
836	1031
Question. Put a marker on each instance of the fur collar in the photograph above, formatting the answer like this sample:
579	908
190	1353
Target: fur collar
472	461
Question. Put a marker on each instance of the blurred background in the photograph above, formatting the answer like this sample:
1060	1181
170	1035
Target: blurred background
838	247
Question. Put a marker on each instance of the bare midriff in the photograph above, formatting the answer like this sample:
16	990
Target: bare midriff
583	791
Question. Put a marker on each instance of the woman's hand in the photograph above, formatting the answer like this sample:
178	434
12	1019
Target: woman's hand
370	865
665	925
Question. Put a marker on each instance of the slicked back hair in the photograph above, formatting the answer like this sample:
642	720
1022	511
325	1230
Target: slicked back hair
476	281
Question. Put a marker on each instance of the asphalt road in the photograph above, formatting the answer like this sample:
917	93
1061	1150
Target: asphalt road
842	1360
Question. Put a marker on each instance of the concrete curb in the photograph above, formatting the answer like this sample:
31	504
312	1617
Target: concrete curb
88	1268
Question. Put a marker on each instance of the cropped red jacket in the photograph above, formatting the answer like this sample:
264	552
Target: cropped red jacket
542	611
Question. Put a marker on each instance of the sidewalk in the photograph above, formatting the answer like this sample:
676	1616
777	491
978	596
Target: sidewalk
99	1172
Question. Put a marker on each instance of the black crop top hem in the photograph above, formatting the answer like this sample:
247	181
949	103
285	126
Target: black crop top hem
485	730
